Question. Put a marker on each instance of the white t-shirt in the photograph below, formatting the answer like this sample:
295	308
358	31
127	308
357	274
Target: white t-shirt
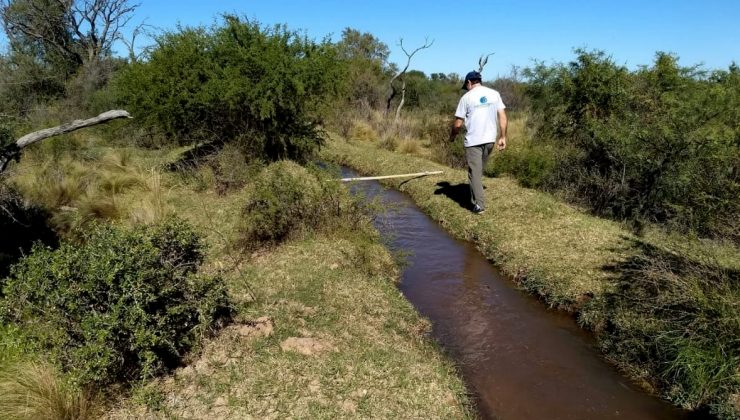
479	109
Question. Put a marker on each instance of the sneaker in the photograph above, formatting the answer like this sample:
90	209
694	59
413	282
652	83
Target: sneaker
478	210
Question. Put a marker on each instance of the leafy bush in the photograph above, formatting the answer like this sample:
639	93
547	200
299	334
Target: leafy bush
286	199
660	144
265	86
124	304
531	164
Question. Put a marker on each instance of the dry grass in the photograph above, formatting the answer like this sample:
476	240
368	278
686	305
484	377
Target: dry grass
34	390
409	147
79	187
154	204
362	131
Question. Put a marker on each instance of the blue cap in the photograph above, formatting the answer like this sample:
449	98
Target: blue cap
473	75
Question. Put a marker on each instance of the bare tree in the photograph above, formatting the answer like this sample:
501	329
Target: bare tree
482	61
400	76
140	29
79	30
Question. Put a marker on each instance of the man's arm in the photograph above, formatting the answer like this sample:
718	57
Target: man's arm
455	128
503	124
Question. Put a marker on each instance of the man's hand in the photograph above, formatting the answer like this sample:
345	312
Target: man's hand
456	124
501	143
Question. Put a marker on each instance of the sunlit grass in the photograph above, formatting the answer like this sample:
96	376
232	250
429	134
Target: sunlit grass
663	305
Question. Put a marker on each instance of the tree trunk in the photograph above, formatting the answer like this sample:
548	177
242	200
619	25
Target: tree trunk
400	103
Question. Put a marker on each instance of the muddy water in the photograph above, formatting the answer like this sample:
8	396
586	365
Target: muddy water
521	360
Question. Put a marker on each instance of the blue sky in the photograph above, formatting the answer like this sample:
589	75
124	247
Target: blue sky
517	32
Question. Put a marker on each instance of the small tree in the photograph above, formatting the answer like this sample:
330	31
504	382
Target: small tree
265	88
367	66
400	76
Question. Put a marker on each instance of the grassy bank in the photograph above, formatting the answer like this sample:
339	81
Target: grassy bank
322	332
320	328
666	308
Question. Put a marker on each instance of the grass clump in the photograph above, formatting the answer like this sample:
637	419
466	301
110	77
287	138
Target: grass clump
362	131
35	390
286	199
123	305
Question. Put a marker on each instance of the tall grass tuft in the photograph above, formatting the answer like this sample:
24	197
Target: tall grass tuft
409	146
362	131
34	390
154	207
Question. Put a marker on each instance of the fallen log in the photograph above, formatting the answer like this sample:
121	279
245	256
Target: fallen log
12	151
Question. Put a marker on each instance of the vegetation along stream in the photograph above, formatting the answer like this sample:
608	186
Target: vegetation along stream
519	359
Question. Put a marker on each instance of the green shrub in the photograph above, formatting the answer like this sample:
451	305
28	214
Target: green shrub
286	199
231	168
532	165
267	86
122	305
659	144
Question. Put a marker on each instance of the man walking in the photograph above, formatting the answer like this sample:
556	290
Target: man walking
482	111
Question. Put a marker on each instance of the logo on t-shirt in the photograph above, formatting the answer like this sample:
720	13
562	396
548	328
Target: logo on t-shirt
483	99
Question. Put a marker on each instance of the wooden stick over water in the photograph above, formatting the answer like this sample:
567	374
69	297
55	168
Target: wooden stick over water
369	178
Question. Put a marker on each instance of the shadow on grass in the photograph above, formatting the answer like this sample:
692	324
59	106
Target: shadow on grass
21	225
459	193
195	156
676	317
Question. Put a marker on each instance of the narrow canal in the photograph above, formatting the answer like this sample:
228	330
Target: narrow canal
519	359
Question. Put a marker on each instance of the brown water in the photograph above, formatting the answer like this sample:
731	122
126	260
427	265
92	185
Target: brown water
521	360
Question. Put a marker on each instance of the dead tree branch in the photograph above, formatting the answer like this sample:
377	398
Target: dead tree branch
140	29
482	61
12	152
400	76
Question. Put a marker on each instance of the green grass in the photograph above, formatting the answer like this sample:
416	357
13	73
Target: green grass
338	288
665	307
340	292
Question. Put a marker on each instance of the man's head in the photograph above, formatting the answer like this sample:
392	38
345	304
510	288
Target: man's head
471	79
